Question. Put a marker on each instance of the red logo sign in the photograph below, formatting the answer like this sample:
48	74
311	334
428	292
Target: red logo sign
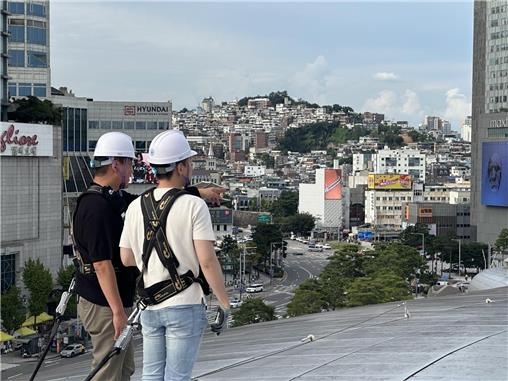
10	136
129	110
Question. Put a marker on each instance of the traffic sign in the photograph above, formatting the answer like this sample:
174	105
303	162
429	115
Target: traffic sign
265	218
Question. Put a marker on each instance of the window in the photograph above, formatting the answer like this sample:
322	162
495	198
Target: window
163	125
128	125
16	58
92	144
140	145
25	89
117	125
8	272
93	124
17	8
106	124
17	33
151	125
36	35
39	89
37	59
12	91
140	125
36	10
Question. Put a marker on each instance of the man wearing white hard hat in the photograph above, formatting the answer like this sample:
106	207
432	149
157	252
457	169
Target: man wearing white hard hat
175	317
106	287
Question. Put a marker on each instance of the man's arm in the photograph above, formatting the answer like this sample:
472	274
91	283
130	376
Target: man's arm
127	257
107	280
211	269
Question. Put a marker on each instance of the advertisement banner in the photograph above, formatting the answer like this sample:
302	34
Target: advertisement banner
333	184
389	181
24	139
494	184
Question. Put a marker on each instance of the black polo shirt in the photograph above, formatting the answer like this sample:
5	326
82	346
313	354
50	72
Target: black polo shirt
98	224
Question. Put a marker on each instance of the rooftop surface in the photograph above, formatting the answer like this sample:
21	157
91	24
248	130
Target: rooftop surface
460	337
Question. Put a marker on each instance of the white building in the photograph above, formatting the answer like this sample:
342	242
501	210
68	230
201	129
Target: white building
383	208
400	161
327	199
465	132
30	199
362	161
254	170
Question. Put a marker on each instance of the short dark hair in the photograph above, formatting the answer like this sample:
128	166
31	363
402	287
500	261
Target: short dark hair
167	175
101	171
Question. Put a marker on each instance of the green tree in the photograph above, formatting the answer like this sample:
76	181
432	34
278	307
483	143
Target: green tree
308	299
267	160
12	311
286	205
34	110
300	223
253	311
64	278
384	286
38	281
403	260
474	254
263	237
502	241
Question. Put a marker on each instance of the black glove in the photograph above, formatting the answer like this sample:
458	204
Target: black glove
221	321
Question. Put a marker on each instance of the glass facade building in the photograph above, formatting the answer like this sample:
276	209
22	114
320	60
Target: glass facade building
28	48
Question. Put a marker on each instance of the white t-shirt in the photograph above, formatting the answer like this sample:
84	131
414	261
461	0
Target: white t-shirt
188	220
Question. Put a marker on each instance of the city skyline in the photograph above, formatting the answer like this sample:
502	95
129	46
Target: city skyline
404	60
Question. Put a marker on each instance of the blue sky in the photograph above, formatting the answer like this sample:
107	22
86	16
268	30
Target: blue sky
403	59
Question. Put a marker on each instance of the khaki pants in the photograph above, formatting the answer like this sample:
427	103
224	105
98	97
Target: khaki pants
98	322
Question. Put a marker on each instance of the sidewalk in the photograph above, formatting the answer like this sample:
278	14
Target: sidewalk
13	359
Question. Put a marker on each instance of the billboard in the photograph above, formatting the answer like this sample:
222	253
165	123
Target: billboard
494	181
333	184
389	181
24	139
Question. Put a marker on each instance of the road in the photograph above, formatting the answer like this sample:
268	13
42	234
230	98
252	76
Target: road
299	265
298	268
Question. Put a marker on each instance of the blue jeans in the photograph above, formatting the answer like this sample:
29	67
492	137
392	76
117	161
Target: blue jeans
171	339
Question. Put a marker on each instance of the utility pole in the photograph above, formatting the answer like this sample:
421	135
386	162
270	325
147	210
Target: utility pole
459	253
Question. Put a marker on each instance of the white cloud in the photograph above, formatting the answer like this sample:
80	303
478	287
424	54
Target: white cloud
385	103
384	76
457	106
411	105
312	82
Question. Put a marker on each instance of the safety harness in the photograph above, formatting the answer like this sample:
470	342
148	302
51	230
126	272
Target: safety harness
83	267
154	217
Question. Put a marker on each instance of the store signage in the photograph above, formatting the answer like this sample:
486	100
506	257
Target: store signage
147	109
497	123
23	139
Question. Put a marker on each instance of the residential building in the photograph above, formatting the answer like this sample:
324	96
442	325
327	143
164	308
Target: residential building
399	161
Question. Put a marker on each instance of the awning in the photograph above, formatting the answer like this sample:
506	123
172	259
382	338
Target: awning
5	336
41	318
24	331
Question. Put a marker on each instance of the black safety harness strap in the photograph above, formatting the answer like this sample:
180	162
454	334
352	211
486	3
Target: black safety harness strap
83	267
155	216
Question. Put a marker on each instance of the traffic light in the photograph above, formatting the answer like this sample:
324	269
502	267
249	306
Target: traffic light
284	249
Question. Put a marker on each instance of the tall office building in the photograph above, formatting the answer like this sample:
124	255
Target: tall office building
489	135
28	48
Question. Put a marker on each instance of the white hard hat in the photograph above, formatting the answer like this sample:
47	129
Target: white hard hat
169	147
114	144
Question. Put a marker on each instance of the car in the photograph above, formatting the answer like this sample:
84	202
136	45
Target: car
326	246
72	350
256	287
315	248
235	303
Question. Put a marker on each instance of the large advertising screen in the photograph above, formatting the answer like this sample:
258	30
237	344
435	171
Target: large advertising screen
494	183
333	184
391	181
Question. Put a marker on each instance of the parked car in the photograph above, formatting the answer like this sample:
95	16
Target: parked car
257	287
235	303
326	246
72	350
315	248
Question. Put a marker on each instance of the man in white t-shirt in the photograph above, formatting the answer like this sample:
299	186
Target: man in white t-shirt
172	329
